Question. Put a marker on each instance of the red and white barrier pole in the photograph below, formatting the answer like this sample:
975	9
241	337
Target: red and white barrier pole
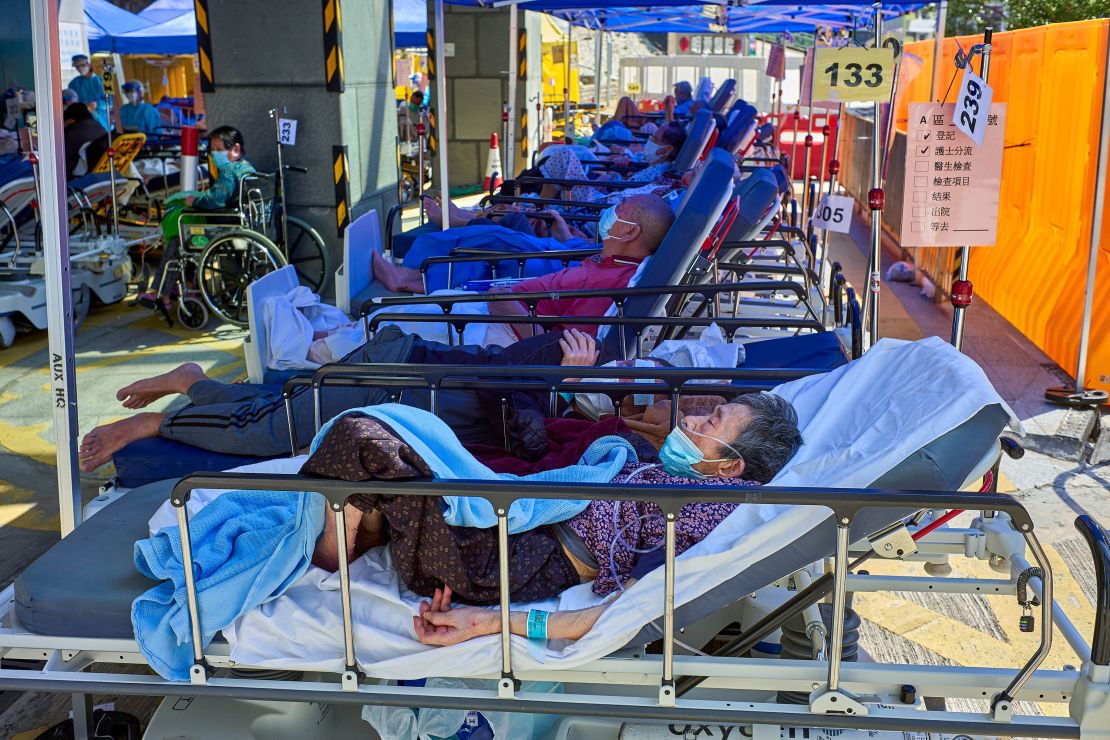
189	144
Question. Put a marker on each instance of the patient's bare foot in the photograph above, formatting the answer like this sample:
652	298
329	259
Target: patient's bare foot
101	443
459	216
432	210
144	392
395	277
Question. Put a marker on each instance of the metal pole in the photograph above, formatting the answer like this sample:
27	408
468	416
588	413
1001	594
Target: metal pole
840	592
873	262
608	69
55	242
597	73
806	205
958	310
111	165
510	134
567	128
281	178
938	48
441	118
1096	228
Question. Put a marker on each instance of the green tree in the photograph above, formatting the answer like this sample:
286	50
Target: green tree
966	17
972	16
1026	13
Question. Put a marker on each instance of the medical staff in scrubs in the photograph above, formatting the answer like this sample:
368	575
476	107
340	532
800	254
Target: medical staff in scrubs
89	89
137	114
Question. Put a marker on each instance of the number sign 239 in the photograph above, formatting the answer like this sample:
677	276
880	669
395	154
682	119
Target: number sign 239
853	74
972	106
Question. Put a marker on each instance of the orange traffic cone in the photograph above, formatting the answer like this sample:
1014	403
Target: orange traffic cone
493	165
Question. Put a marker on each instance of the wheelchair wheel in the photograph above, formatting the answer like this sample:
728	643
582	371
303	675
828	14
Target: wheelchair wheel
231	262
308	254
192	313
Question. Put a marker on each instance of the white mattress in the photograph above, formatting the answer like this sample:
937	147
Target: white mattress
859	421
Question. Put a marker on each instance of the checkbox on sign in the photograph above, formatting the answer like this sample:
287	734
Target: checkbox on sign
921	196
922	135
918	212
917	226
922	151
921	166
920	182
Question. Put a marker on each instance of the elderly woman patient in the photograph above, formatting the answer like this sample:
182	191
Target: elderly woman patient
743	443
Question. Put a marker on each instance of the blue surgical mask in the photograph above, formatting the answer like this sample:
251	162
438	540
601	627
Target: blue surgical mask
651	152
609	218
220	158
679	454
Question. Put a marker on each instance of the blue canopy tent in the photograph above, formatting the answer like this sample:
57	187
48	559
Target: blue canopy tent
178	35
105	22
410	23
161	11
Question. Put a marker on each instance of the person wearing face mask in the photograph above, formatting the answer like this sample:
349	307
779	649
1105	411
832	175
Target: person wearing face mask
136	114
659	152
612	543
89	89
629	231
409	116
227	152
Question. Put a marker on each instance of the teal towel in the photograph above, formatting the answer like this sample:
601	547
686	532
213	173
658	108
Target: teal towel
438	446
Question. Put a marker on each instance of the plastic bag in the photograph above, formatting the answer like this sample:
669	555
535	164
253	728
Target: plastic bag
900	272
928	289
708	350
402	723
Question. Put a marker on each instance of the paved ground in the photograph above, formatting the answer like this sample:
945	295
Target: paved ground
118	345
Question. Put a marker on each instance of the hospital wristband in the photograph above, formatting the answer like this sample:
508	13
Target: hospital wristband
537	624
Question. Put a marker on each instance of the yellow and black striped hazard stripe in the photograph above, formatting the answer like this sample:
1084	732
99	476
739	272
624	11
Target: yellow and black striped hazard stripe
522	55
522	74
333	46
524	132
342	188
204	47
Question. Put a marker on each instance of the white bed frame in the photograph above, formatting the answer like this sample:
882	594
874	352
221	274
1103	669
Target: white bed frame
738	691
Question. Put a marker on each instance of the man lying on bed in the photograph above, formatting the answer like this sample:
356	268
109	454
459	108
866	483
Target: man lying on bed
251	419
629	233
609	543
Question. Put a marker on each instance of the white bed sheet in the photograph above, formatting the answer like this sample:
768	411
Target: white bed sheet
859	421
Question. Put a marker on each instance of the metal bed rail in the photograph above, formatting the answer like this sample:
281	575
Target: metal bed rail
830	701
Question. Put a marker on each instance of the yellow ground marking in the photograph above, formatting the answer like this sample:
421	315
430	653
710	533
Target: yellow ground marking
19	509
27	441
966	645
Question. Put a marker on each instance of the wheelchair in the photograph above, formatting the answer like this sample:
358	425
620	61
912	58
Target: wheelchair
223	252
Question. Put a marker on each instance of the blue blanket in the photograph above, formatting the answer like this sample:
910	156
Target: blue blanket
248	547
438	446
489	237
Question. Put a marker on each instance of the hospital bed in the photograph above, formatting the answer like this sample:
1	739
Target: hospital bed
99	262
54	612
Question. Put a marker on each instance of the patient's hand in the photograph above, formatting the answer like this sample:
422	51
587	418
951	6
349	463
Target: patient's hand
440	624
579	349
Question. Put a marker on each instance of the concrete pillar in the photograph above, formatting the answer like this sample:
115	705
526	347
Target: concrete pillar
477	42
267	55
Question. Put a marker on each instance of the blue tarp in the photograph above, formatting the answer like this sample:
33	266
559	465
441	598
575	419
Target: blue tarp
161	11
703	16
105	21
178	35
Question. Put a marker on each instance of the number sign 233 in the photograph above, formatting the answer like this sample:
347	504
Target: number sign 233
853	74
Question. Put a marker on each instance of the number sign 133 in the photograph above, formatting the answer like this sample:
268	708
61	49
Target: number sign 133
853	74
972	106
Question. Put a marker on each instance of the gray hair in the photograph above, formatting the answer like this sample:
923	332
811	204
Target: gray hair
770	438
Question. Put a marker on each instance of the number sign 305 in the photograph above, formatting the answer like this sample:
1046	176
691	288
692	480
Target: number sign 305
972	106
853	74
